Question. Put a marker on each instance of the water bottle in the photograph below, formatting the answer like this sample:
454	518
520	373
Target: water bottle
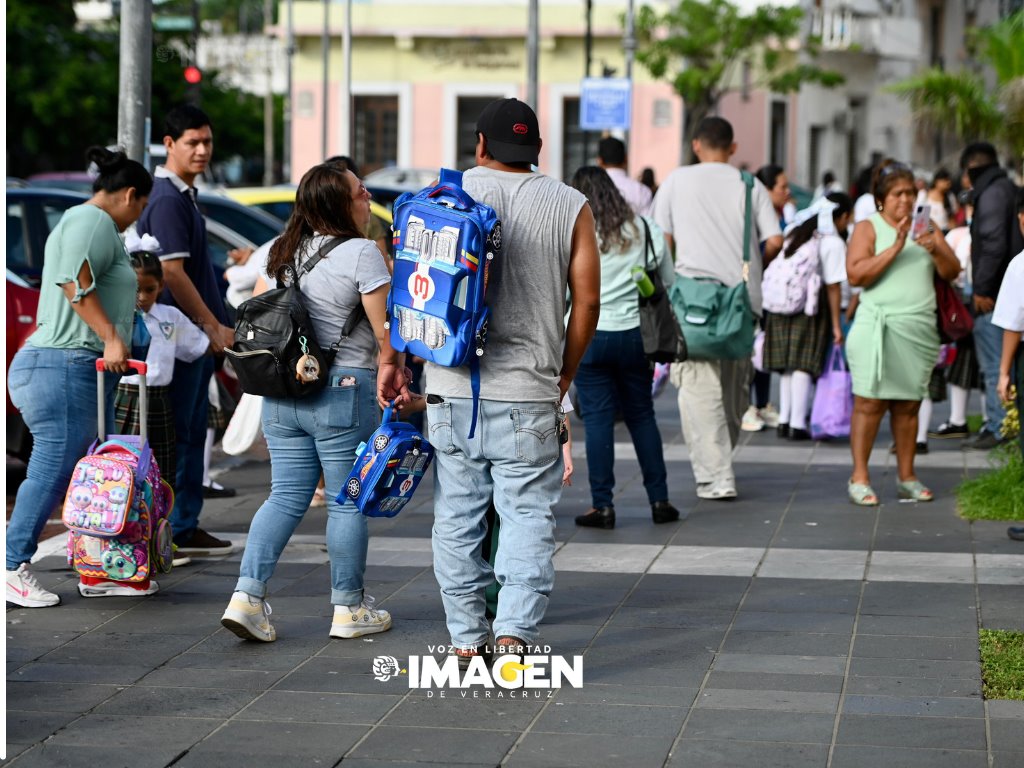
643	282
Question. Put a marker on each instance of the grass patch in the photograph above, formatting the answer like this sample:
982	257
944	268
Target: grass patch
975	422
997	494
1002	663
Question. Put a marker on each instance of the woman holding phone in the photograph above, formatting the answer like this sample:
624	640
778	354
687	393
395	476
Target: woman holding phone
893	346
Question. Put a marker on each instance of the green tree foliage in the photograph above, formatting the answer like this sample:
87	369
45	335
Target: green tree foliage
963	104
697	45
62	92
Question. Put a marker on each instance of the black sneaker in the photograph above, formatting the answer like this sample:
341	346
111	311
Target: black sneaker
922	448
983	441
782	431
948	431
217	491
202	544
664	512
597	517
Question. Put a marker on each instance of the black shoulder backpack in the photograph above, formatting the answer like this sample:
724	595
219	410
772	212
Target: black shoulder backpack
276	353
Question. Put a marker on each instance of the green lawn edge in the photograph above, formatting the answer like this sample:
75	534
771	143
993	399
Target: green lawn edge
997	494
1002	663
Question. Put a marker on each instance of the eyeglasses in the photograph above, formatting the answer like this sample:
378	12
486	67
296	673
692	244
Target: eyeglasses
895	168
361	191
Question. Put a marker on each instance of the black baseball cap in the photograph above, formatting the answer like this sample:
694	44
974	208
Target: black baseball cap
511	129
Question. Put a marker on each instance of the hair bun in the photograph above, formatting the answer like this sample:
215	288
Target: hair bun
108	162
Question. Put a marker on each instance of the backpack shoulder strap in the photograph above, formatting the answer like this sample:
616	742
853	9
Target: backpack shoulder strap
648	245
748	182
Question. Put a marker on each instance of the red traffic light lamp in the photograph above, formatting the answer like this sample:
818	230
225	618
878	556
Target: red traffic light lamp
193	75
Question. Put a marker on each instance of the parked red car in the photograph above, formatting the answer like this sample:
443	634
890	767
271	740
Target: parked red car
22	301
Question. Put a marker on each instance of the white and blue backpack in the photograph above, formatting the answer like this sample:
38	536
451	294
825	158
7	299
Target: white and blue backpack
445	243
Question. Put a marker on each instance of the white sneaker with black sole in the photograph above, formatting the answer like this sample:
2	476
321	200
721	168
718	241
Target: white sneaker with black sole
24	590
249	618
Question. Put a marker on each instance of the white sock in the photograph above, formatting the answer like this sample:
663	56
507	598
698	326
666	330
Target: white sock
924	418
785	397
801	400
958	404
207	450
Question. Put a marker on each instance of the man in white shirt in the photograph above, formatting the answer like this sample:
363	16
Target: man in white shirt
611	155
702	210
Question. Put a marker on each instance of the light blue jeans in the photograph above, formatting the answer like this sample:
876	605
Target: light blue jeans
515	458
55	390
322	430
988	343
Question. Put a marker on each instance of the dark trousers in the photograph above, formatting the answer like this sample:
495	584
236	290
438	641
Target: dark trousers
189	393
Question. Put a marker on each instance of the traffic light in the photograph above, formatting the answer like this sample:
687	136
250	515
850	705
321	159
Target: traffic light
193	75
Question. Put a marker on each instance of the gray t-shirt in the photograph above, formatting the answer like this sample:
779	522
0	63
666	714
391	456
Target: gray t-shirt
334	288
702	206
526	294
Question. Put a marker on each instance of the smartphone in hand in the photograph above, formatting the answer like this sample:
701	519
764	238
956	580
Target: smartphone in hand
922	218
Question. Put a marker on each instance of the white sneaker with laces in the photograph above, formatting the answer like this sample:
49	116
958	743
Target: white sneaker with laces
114	589
769	415
24	590
358	620
752	422
249	618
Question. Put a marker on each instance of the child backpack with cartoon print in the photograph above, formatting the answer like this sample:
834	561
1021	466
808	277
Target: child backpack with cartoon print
791	283
445	243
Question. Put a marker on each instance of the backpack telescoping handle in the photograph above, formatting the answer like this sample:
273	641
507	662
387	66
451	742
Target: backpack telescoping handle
140	368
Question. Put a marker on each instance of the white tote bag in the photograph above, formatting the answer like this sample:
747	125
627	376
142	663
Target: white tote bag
245	425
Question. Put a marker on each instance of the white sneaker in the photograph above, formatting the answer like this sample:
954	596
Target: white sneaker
752	422
24	590
356	621
115	589
249	618
715	492
769	416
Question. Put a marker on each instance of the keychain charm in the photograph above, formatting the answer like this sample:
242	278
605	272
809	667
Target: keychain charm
307	369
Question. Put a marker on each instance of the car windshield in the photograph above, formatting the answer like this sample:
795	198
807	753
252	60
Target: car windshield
250	225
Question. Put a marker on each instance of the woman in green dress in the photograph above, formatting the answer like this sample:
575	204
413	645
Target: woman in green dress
894	343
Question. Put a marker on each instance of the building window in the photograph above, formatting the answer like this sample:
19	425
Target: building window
573	150
817	136
375	132
779	133
469	109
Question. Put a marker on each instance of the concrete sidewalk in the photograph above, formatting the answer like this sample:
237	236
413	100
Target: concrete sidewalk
787	628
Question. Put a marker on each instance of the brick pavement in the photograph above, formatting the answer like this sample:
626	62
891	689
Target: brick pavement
786	628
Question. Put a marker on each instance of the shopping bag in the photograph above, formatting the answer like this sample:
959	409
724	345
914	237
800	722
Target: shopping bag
833	399
245	425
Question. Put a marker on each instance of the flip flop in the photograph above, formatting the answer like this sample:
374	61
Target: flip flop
861	494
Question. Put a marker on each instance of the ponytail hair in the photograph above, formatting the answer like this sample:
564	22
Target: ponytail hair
147	263
117	172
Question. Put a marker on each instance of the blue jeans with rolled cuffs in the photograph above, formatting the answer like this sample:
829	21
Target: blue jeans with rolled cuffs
516	459
320	431
55	390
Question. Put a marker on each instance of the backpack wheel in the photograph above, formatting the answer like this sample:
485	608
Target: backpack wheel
494	239
353	487
380	442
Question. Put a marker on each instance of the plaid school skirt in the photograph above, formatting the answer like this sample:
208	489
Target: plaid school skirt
797	342
964	370
161	424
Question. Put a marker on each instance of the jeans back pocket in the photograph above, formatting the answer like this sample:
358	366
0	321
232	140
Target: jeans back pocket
439	427
536	432
342	407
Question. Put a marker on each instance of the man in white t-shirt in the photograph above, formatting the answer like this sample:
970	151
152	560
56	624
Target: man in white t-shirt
611	155
701	209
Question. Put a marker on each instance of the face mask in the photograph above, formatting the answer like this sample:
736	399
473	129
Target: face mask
975	173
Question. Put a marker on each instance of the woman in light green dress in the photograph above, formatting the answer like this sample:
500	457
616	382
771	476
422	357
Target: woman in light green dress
894	343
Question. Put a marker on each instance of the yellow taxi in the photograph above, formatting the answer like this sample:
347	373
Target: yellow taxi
279	202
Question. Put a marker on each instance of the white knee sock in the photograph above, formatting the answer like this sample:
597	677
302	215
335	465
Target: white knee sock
785	397
958	404
207	450
801	400
924	418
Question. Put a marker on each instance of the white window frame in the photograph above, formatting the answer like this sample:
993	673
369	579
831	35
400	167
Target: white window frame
452	92
557	92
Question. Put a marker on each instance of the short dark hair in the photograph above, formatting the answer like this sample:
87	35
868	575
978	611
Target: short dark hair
768	175
885	176
343	161
715	132
117	172
941	175
979	150
828	178
147	263
611	151
184	118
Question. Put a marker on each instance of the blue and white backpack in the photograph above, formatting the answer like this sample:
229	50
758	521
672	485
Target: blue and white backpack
389	467
445	243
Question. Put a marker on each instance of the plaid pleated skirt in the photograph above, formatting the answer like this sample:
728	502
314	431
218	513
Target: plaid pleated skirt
964	370
161	424
797	342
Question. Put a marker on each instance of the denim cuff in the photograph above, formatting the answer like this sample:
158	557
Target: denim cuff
251	587
346	598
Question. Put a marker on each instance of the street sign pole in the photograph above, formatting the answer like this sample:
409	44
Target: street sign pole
135	77
532	48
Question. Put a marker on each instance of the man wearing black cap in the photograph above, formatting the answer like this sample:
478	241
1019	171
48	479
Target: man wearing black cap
611	155
548	243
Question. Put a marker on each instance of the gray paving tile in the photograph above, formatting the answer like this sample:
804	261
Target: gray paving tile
787	643
31	727
785	701
913	706
614	672
304	707
15	749
759	725
339	675
1007	735
293	743
872	757
816	622
780	664
768	681
999	709
903	599
230	679
913	668
601	693
671	617
914	686
69	620
622	720
57	697
448	746
148	701
50	754
123	674
35	641
572	750
918	626
267	661
700	753
467	707
802	596
1007	759
289	642
171	735
914	732
892	647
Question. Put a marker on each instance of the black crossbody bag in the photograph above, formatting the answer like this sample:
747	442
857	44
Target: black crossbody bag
663	338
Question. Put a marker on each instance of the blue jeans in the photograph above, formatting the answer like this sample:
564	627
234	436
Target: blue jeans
516	459
55	390
190	400
615	373
988	343
320	431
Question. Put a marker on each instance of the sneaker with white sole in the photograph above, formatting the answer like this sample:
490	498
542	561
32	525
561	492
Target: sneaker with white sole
358	620
179	558
24	590
716	491
752	421
116	589
249	618
769	416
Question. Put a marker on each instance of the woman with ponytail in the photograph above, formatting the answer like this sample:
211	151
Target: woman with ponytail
86	310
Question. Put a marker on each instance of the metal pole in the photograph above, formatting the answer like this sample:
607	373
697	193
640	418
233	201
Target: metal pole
268	99
286	150
532	49
325	51
629	46
588	49
346	107
135	77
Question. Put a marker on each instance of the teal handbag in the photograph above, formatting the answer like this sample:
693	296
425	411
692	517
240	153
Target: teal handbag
717	321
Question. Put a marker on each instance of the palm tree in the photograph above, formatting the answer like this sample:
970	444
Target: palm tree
963	104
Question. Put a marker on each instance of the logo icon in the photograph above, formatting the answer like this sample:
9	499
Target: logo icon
520	129
386	667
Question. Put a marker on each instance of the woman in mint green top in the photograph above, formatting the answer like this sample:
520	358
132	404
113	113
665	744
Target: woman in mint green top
86	307
894	343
